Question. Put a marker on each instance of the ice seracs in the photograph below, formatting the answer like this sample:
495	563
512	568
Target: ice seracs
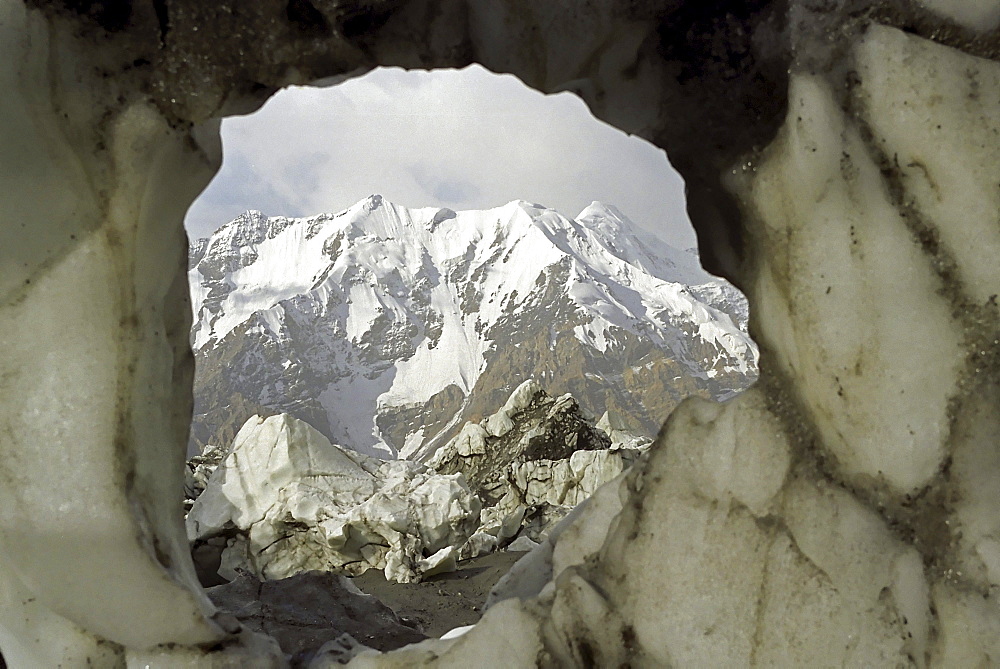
283	500
292	502
533	461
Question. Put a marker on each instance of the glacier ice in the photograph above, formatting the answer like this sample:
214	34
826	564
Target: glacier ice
283	500
532	462
300	503
840	161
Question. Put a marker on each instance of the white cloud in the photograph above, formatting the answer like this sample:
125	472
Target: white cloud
466	139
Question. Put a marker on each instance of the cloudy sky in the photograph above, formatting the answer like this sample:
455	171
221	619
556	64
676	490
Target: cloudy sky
465	139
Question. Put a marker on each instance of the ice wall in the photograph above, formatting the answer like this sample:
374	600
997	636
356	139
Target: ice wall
95	364
841	160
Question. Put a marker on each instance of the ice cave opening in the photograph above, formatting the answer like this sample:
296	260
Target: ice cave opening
840	163
330	318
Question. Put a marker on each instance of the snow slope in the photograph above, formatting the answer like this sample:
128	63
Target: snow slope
381	307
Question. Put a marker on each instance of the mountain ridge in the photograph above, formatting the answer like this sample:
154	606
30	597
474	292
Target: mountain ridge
359	321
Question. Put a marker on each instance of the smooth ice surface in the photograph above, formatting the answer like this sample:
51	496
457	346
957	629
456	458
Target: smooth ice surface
88	421
862	320
977	15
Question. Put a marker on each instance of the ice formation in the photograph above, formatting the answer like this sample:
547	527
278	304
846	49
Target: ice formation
298	503
532	462
840	161
282	500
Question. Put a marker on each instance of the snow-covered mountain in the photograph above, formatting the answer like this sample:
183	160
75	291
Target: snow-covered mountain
387	328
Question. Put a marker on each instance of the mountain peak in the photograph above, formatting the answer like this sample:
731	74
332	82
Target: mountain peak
597	208
251	219
605	216
525	204
355	321
251	215
250	227
373	201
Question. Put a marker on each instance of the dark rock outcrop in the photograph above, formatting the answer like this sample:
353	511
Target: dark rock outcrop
532	425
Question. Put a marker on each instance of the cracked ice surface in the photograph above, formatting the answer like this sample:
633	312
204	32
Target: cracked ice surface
301	503
869	314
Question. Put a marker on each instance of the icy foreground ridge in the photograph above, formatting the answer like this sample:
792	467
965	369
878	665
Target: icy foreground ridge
301	503
386	327
283	500
534	460
840	162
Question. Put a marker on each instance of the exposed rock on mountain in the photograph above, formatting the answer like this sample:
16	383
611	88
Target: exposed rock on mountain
293	502
534	460
387	328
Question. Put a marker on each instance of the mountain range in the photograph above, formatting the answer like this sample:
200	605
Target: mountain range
388	328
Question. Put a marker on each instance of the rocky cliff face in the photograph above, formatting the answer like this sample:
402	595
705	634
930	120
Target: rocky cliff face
535	459
388	328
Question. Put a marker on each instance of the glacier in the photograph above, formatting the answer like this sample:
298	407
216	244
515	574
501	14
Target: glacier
840	162
300	503
282	500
